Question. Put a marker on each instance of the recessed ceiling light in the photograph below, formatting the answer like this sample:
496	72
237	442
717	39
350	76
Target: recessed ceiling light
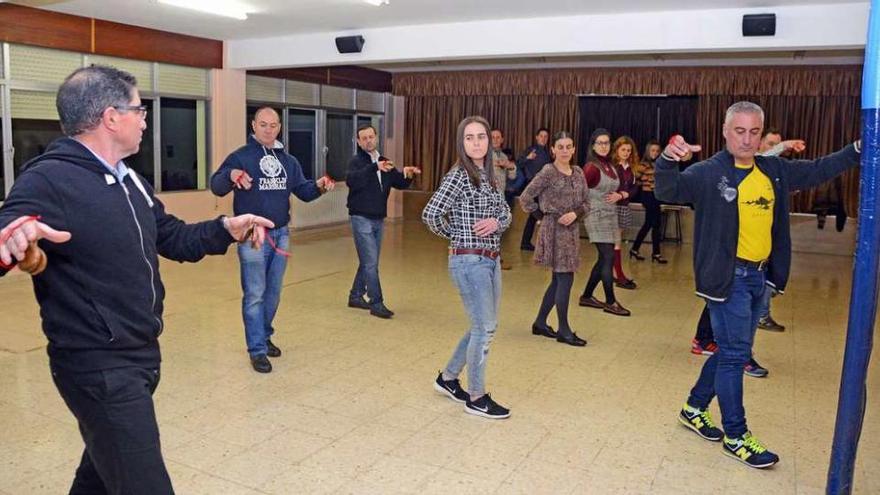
378	3
225	8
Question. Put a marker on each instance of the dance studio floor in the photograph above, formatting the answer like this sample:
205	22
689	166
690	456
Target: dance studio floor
349	407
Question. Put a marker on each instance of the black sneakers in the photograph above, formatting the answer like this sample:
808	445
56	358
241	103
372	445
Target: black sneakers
486	407
261	364
272	350
748	450
380	311
450	388
700	422
358	303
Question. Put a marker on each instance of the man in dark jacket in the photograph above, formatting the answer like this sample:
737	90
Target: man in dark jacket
101	231
263	177
529	164
370	179
742	241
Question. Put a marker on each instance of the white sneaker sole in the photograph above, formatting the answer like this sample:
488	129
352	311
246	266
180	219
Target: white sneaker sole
756	466
481	414
691	427
447	393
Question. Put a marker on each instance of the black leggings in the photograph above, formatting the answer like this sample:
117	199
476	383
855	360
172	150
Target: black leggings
602	270
557	294
652	222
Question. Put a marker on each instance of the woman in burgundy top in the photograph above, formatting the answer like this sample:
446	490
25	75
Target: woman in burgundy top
625	158
602	223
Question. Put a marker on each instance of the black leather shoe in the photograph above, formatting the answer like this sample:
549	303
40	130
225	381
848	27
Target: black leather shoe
261	364
546	331
571	339
658	258
635	254
272	350
590	302
358	303
381	311
625	283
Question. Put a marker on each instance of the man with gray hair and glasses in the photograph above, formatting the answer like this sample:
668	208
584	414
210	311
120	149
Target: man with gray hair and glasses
90	231
742	242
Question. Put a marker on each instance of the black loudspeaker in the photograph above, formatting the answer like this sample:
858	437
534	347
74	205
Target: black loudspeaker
349	44
759	24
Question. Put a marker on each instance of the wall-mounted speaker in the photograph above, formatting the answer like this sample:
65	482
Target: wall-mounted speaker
349	44
759	24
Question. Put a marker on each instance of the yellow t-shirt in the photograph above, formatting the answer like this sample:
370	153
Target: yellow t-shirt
755	199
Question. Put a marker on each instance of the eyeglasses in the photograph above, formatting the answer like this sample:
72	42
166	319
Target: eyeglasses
140	109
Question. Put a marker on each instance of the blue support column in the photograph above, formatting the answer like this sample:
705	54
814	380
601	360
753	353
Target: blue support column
863	300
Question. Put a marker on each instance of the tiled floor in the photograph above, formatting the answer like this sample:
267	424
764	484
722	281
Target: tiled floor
350	408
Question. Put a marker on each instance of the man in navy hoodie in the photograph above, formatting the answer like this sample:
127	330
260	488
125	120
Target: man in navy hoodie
100	295
263	177
742	242
370	179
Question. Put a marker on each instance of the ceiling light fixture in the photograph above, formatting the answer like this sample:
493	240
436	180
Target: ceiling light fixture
378	3
225	8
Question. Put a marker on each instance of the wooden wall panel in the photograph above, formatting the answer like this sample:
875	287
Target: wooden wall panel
29	26
346	76
43	28
123	40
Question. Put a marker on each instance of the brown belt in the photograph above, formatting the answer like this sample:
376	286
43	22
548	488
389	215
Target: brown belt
479	252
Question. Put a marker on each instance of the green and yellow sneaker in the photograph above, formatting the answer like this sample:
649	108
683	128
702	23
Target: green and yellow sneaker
700	422
748	450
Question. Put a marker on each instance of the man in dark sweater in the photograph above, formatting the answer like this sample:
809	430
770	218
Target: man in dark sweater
100	231
263	177
742	242
529	164
370	179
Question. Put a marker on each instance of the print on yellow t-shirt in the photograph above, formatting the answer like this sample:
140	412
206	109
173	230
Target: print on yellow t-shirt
755	200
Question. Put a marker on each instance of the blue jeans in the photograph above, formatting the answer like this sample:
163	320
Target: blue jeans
764	312
734	322
262	271
478	279
368	241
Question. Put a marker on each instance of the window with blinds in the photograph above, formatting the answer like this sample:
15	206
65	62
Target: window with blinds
43	65
143	71
265	89
184	81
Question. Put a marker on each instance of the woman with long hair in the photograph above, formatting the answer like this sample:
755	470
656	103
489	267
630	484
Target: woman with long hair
625	158
469	210
602	222
644	173
558	195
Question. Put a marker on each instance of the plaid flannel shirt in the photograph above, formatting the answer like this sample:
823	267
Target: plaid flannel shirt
457	205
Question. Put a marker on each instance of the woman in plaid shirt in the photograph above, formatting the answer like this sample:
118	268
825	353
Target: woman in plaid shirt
470	211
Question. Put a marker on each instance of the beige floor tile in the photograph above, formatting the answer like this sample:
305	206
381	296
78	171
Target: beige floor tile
350	406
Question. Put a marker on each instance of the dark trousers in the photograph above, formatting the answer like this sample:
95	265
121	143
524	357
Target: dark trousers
528	231
652	222
602	271
117	421
734	321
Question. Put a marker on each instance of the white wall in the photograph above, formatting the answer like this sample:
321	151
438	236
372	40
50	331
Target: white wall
838	26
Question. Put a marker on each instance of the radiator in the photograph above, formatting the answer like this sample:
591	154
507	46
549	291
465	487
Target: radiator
328	209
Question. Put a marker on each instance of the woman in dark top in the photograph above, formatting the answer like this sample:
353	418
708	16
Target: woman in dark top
602	222
558	195
469	210
625	158
644	173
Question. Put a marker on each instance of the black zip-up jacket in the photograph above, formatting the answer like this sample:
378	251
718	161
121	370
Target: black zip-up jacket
716	220
366	197
100	295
